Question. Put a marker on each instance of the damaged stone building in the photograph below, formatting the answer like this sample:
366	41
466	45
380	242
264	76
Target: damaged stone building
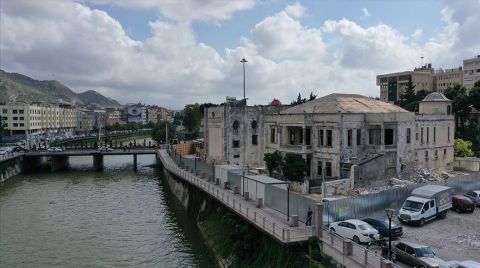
335	132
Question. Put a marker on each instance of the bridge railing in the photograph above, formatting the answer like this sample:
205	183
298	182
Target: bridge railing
272	225
10	156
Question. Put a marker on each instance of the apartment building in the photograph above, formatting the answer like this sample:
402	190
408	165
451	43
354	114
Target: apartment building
444	79
35	118
114	116
392	85
471	71
156	114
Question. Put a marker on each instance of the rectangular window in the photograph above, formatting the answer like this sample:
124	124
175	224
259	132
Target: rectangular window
236	144
426	154
388	136
15	111
434	134
428	134
292	136
408	135
329	138
349	137
272	135
320	137
4	111
444	151
416	136
319	168
308	133
328	169
15	124
20	111
374	136
254	139
21	124
15	118
21	118
436	153
236	156
421	135
448	134
359	136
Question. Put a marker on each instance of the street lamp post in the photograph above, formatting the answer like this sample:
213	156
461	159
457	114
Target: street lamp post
288	202
389	212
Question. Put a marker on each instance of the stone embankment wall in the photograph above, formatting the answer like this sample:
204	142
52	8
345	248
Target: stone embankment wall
9	169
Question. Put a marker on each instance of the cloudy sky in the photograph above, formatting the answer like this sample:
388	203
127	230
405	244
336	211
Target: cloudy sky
171	52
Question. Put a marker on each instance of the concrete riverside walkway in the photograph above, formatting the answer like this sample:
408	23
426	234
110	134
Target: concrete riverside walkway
266	220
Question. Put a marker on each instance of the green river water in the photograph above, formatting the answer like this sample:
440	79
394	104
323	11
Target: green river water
83	218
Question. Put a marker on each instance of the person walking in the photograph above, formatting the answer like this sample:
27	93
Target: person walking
309	217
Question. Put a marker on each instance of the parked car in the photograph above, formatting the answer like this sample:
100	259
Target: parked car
105	149
475	196
19	149
426	203
461	203
460	264
3	152
381	225
357	230
55	149
415	255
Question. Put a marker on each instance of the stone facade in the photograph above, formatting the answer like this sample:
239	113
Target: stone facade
334	133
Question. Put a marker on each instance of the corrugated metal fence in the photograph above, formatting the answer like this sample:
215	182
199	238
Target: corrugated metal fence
363	206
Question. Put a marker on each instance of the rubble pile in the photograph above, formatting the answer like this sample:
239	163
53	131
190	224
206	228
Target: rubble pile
422	175
471	241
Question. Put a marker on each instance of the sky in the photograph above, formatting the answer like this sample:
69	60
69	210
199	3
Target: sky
172	53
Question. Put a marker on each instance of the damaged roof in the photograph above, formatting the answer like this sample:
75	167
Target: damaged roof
344	103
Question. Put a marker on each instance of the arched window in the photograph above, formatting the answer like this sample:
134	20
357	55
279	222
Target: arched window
254	124
235	125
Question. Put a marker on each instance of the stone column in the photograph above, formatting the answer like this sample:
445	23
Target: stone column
318	217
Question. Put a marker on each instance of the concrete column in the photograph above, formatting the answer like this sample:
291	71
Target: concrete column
98	161
135	161
318	219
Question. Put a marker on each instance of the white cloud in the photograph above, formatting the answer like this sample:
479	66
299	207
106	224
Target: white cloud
417	34
187	10
365	13
296	10
88	49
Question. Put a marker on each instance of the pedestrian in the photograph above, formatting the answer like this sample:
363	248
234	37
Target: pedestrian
309	217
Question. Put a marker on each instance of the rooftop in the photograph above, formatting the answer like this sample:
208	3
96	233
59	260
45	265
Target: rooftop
344	103
435	96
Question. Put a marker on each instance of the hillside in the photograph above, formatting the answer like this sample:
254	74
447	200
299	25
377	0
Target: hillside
16	87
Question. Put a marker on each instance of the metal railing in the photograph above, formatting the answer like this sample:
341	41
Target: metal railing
273	226
359	253
9	156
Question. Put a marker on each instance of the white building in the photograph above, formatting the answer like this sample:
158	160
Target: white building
471	71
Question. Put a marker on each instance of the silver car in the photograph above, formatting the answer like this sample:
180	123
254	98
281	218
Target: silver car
415	255
475	196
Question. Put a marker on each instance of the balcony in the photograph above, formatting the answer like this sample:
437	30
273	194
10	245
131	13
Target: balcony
296	148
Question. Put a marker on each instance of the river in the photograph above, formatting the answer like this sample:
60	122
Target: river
83	218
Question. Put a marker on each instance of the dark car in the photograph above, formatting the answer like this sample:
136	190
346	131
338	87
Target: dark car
381	224
462	203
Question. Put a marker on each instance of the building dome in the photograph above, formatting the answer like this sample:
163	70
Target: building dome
435	96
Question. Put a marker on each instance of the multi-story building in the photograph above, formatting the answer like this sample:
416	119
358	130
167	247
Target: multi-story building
234	133
156	114
471	71
114	116
85	120
334	133
35	118
444	79
392	85
424	78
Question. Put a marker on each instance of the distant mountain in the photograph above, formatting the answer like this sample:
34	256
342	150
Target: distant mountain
16	87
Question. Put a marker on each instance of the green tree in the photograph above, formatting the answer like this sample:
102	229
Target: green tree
312	96
461	105
474	95
293	167
158	131
192	118
273	161
462	148
3	128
